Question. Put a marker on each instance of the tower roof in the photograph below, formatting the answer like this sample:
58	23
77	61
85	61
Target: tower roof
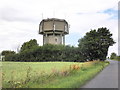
54	19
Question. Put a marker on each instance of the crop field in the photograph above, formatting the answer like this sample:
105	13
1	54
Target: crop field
48	74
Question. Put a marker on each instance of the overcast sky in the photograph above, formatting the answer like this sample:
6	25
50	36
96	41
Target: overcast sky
19	19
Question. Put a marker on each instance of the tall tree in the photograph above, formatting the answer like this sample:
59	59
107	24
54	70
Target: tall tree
95	44
29	45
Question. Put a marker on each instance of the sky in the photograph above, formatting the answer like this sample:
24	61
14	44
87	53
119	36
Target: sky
19	20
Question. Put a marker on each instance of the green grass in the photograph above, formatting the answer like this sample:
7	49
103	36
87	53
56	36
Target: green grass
19	68
48	74
116	59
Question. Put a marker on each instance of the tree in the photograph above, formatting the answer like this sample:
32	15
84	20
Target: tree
94	45
7	52
105	40
29	45
113	55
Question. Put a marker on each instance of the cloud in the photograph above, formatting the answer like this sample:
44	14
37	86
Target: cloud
14	15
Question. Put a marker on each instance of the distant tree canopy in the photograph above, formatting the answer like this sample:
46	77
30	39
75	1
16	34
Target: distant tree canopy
113	55
94	45
7	52
29	45
48	53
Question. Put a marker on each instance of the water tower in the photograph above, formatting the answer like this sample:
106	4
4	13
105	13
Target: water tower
53	30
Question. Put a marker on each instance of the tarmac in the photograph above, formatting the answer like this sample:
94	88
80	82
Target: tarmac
108	78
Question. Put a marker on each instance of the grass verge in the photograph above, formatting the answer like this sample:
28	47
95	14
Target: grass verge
115	59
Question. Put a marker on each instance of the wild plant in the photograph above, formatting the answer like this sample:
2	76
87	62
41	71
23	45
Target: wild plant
12	82
3	76
54	72
64	72
28	75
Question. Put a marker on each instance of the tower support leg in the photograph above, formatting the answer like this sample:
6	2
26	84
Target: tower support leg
63	39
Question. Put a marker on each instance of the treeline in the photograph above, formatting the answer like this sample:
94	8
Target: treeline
47	53
93	46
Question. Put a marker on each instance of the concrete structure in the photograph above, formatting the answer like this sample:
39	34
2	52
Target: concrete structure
53	30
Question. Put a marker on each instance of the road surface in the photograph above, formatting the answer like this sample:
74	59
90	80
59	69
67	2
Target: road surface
108	78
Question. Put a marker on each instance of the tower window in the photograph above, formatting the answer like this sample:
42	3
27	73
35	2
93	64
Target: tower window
56	40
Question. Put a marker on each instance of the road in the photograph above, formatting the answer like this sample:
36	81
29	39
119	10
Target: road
108	78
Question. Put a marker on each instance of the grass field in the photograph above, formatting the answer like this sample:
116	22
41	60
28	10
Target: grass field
20	68
48	74
116	59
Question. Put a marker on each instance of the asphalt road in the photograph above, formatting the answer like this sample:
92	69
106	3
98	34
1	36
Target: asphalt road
108	78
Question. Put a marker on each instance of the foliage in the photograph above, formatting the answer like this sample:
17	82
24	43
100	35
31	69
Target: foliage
94	45
29	45
7	53
47	53
32	77
118	58
113	55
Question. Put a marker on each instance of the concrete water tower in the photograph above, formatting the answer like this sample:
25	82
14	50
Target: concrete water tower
53	30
